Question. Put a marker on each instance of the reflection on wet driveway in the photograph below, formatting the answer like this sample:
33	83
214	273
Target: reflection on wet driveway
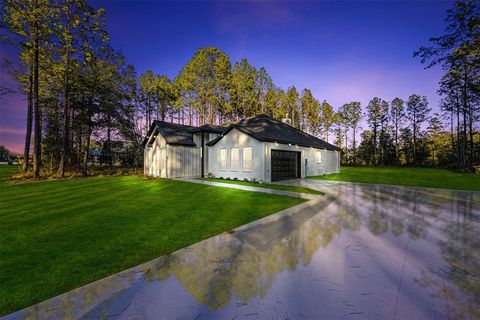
360	252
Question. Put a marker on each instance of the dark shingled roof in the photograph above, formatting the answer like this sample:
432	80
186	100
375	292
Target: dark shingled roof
209	128
175	134
264	128
179	134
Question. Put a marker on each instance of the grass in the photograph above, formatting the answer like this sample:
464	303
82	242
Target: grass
419	177
268	186
59	235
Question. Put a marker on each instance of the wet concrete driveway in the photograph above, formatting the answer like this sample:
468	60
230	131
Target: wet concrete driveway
360	252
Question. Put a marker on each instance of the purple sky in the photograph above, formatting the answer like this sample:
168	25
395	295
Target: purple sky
341	50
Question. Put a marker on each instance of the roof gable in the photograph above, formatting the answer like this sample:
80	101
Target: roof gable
266	129
173	133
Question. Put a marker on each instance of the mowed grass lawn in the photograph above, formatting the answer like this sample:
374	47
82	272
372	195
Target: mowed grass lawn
267	186
59	235
420	177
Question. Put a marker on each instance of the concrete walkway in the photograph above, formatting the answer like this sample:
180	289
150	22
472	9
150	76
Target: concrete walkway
255	189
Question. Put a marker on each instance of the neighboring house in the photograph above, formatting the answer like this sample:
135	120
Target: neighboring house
115	153
256	148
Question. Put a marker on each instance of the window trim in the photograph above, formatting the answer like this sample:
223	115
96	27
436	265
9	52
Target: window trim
318	157
237	161
220	167
251	159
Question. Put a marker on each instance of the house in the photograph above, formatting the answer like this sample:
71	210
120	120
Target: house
112	153
257	148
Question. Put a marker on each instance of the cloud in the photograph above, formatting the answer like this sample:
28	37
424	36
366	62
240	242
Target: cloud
12	138
12	131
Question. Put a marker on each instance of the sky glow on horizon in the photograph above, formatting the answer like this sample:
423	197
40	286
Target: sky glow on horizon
342	51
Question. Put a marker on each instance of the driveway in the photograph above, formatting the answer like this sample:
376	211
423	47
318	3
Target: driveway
360	252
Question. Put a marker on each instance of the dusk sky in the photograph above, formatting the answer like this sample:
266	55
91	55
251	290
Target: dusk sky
342	51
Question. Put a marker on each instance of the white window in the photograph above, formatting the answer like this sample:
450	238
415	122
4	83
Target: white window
222	159
234	159
319	156
247	159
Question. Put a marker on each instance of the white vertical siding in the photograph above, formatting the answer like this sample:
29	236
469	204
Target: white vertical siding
165	161
155	158
183	162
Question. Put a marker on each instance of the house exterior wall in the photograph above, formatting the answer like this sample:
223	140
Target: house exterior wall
237	139
330	160
206	160
183	162
155	158
167	161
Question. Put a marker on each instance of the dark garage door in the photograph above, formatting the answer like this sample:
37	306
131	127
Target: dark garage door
285	165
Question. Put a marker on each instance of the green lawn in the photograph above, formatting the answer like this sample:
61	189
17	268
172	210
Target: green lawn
420	177
268	186
59	235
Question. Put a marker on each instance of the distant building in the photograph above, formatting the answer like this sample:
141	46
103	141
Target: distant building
115	153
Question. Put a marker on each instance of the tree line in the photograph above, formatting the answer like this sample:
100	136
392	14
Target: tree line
78	87
457	52
81	92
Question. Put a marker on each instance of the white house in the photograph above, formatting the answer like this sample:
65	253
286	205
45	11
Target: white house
257	148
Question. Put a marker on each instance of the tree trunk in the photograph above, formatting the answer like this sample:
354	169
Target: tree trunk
433	152
459	152
148	120
396	143
374	158
382	146
85	152
346	139
452	135
470	130
108	149
79	148
211	115
28	134
354	147
38	129
414	137
71	146
64	155
465	110
88	133
464	135
190	116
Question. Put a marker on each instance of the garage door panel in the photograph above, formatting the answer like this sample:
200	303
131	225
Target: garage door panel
285	165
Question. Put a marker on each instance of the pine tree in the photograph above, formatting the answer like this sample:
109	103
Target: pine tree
374	115
417	113
203	84
352	112
434	129
327	118
397	114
